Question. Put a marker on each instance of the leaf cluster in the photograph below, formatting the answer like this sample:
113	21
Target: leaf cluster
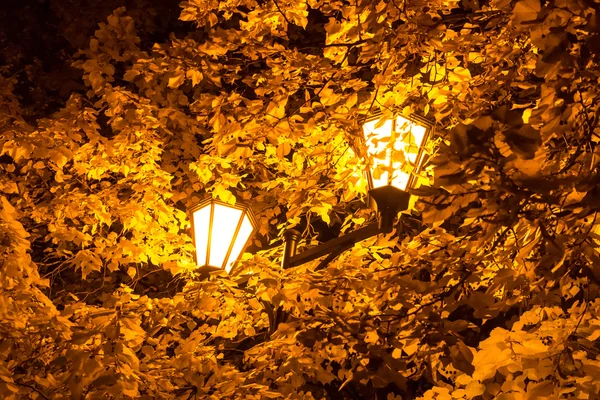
487	288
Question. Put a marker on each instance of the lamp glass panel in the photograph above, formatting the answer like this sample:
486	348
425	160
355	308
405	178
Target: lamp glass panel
388	160
225	222
410	138
201	220
377	140
240	241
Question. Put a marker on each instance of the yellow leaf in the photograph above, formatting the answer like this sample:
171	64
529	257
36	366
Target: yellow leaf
213	49
130	75
323	212
217	121
131	271
88	262
531	347
276	108
298	17
397	353
188	14
475	388
464	379
224	194
537	390
411	346
328	97
371	337
528	167
254	303
459	74
9	187
352	100
195	75
60	156
526	10
474	57
283	150
176	80
358	221
488	360
526	115
436	72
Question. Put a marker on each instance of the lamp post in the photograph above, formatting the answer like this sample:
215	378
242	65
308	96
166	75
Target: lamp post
220	232
395	154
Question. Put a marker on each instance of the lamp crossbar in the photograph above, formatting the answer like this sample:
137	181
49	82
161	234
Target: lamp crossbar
293	260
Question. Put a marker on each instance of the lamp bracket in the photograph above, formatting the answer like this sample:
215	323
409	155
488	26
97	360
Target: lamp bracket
331	246
390	200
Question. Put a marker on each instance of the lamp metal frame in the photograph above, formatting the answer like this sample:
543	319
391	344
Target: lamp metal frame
211	202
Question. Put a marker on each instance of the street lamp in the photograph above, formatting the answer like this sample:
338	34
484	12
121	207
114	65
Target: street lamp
395	154
220	232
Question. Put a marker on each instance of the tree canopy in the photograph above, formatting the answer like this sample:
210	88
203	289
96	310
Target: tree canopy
488	287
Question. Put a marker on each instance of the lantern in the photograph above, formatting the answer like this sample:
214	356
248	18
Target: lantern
220	232
395	150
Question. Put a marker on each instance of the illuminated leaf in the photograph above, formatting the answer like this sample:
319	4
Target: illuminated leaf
176	80
526	10
486	287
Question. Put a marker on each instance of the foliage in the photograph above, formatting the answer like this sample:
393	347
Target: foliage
488	288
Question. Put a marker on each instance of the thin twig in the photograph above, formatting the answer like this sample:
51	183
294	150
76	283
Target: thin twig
281	12
32	388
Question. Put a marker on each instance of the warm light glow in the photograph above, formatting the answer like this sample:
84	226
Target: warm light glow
225	222
393	163
201	226
240	242
221	232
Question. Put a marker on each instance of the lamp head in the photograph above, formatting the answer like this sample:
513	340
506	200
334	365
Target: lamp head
220	232
395	149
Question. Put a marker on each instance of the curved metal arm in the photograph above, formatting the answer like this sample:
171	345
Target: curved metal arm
342	242
389	200
334	254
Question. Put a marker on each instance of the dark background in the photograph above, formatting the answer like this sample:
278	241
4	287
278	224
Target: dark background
39	39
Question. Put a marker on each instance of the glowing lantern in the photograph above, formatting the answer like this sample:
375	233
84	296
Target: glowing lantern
395	148
221	232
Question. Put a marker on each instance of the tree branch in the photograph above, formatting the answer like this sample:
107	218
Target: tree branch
281	12
32	388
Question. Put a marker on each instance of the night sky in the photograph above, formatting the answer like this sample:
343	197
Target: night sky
39	39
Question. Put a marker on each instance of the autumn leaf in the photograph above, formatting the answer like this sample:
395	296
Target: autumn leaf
526	10
176	80
486	287
195	75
